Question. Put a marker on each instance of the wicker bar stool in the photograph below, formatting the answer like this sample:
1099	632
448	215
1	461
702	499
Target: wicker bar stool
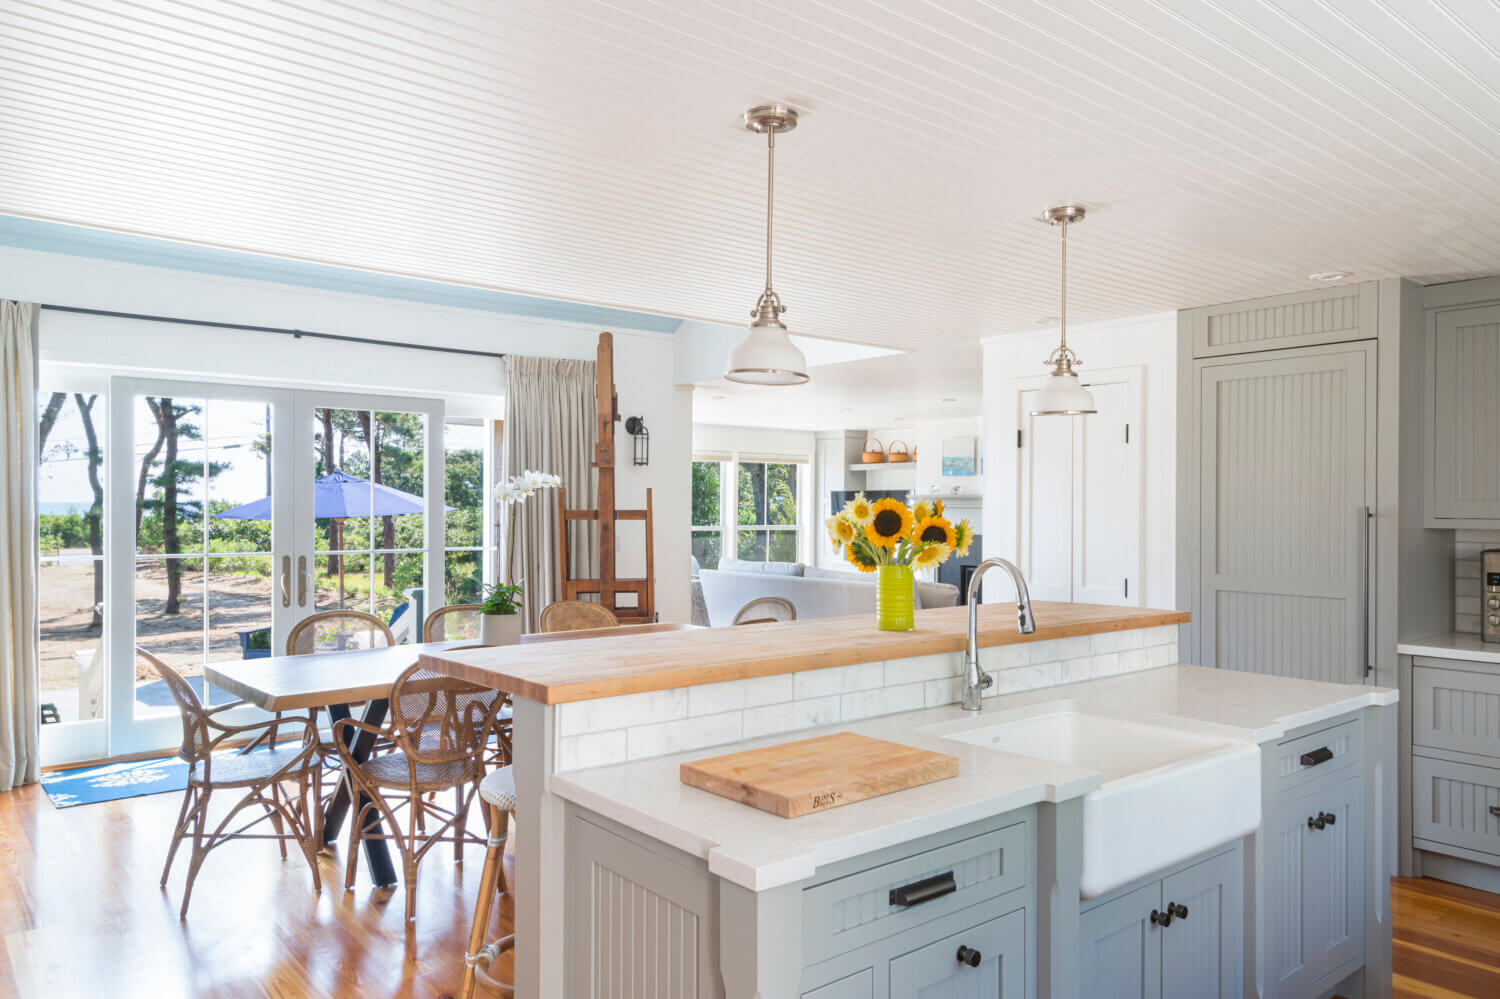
456	622
259	776
498	792
576	615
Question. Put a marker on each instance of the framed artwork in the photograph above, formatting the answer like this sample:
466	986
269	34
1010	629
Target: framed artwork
958	456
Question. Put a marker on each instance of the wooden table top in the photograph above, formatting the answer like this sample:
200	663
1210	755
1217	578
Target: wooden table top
287	683
589	668
617	632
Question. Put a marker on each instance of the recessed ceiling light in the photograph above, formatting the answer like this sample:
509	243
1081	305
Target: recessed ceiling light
720	398
1330	275
949	399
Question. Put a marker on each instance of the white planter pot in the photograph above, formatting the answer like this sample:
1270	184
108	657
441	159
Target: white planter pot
500	629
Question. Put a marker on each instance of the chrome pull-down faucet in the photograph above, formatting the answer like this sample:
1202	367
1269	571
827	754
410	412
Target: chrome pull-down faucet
976	679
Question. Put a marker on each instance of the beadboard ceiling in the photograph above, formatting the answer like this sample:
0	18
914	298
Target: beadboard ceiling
592	151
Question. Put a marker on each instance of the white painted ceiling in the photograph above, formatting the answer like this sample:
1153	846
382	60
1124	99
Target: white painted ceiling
592	151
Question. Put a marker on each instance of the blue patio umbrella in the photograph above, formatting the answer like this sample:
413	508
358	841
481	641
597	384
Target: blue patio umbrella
339	495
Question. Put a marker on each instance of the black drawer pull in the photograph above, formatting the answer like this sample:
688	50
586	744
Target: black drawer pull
1161	918
1320	755
969	956
925	890
1495	811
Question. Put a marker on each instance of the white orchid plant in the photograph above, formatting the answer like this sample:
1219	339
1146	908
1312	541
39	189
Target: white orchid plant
505	597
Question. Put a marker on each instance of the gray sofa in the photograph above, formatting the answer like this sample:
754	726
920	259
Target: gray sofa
813	591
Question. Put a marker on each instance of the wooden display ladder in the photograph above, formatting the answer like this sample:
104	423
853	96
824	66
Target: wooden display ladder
607	586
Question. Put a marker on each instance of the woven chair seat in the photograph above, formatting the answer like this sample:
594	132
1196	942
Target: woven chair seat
499	789
393	770
251	768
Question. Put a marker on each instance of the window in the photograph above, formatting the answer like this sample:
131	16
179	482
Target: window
746	508
469	547
766	512
708	534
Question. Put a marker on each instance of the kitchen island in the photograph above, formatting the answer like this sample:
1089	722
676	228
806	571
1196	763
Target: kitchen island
626	876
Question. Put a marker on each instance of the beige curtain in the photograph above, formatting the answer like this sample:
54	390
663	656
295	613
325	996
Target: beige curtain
20	710
549	427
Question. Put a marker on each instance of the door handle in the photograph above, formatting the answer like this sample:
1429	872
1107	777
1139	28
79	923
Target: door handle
286	581
1495	811
301	580
924	891
1368	522
1320	755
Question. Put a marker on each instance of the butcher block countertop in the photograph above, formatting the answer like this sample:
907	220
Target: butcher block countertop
586	669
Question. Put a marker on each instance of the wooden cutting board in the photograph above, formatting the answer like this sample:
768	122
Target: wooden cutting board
811	775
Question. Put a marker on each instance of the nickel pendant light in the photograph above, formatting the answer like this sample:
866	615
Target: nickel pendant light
767	355
1063	395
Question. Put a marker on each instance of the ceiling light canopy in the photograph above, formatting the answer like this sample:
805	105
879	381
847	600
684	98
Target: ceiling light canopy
767	355
1330	275
1063	395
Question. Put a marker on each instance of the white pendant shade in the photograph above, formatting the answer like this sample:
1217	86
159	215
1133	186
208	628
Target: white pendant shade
1063	395
767	356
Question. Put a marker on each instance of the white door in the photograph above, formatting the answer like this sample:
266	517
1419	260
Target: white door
1286	451
216	542
1080	503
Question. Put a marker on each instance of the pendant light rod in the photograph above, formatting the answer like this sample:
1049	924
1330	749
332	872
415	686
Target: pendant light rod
770	198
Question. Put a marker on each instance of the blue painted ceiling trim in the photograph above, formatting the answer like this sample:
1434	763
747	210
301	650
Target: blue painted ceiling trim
81	241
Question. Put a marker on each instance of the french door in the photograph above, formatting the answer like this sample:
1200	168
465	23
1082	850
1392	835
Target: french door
234	511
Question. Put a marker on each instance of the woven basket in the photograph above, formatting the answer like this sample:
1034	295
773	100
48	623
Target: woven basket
874	457
893	455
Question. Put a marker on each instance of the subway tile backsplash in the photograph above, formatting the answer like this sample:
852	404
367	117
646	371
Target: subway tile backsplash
1467	544
640	726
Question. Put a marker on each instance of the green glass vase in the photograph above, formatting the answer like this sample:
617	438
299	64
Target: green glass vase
894	598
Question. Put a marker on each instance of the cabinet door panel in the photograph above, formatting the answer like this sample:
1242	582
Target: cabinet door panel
860	985
1202	952
1466	407
1287	468
935	972
1121	949
1106	500
1333	883
1281	919
1046	502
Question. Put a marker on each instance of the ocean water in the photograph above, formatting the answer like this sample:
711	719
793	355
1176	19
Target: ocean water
58	509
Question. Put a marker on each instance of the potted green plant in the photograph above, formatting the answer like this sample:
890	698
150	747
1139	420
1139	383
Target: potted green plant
501	623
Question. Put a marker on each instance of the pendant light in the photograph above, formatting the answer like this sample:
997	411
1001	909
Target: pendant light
767	355
1063	395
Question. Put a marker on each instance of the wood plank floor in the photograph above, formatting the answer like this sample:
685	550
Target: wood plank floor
81	914
1447	939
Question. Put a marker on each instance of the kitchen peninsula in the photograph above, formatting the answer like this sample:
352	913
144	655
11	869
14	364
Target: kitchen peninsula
1119	824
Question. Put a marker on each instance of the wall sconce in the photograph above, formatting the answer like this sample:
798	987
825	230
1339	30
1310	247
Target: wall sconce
635	426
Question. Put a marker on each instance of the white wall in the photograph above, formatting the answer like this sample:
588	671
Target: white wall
1013	362
471	386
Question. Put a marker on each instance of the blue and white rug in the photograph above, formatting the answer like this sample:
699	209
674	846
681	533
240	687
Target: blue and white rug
113	781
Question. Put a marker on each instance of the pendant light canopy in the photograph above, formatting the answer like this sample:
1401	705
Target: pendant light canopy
767	355
1063	395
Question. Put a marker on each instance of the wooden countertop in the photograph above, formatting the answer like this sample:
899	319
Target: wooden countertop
583	670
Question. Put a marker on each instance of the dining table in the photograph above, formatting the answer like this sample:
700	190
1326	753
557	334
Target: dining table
335	681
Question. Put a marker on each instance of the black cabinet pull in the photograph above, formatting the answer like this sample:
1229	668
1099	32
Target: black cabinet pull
925	890
1177	909
1329	817
1162	919
1495	811
1316	823
969	956
1320	755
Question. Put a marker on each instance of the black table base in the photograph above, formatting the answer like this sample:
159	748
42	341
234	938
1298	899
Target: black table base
377	854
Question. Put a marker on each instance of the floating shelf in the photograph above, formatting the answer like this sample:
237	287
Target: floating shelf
860	466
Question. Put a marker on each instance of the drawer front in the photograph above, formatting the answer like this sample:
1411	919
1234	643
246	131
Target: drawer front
860	985
1457	804
1306	758
985	962
1456	709
858	909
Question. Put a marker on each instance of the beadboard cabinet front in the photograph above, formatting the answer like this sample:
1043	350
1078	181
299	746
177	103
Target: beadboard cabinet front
1464	415
1301	319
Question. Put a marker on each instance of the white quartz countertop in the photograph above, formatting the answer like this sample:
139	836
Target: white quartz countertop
759	850
1452	645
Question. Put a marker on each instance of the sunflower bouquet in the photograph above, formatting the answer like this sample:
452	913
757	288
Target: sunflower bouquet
870	534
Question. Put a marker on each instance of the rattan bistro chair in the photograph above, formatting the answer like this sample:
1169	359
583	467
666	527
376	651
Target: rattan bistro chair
439	726
765	609
333	631
456	622
260	778
576	615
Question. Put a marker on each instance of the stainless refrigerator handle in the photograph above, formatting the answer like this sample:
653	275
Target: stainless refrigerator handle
301	580
286	581
1369	520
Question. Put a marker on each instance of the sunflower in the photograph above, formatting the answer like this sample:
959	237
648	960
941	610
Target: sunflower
859	509
964	537
890	523
935	529
930	556
841	530
851	553
922	510
937	508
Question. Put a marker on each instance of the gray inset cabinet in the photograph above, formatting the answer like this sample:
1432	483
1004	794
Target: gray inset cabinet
1464	410
986	961
1180	937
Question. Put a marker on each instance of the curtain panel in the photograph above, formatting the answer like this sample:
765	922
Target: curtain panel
549	427
20	708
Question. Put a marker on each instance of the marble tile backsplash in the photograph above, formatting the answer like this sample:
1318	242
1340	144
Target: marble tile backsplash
1467	544
657	723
